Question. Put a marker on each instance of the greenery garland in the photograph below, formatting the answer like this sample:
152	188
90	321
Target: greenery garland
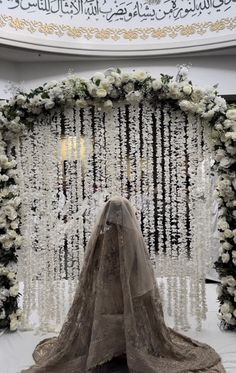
105	91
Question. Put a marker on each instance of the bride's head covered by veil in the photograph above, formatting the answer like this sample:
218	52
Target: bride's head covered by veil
118	218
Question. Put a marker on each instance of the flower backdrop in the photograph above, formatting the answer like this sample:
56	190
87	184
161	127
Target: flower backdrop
83	140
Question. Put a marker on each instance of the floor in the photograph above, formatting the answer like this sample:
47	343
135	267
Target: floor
16	348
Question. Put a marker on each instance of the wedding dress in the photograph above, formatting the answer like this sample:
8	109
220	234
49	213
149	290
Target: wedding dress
117	310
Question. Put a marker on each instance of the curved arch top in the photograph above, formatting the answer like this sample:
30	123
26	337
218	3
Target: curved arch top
120	28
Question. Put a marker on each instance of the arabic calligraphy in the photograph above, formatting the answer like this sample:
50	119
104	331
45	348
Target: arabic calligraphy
124	11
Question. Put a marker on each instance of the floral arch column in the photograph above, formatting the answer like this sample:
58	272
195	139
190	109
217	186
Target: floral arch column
130	113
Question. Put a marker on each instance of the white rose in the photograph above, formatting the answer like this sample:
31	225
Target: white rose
234	313
225	162
186	105
101	92
20	99
219	127
129	87
156	84
230	290
228	233
50	84
226	307
224	281
11	275
231	281
134	97
98	76
225	257
81	103
139	75
222	224
125	77
4	293
14	290
231	135
231	114
49	104
18	241
226	246
227	317
13	324
231	150
187	89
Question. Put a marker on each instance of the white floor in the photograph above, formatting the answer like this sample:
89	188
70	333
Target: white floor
16	348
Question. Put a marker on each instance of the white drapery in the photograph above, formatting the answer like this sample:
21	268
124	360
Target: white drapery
71	161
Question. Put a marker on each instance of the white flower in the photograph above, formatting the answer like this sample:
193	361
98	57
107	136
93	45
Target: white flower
11	275
174	90
225	257
14	224
20	99
156	84
134	97
101	92
187	89
230	135
81	103
222	224
186	106
230	290
226	162
98	76
129	87
4	293
18	241
234	313
49	104
226	246
218	127
50	84
125	77
231	281
107	105
228	233
227	317
139	75
231	114
14	290
10	212
226	307
13	324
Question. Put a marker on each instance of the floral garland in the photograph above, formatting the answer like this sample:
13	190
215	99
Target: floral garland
105	91
224	139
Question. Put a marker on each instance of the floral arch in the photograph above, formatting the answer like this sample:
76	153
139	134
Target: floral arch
128	95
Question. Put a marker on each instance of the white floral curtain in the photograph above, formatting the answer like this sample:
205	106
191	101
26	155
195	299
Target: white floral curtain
71	161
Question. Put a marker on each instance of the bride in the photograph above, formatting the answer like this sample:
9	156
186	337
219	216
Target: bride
117	311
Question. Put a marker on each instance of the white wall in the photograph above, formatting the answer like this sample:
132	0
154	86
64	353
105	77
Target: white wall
8	73
205	71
